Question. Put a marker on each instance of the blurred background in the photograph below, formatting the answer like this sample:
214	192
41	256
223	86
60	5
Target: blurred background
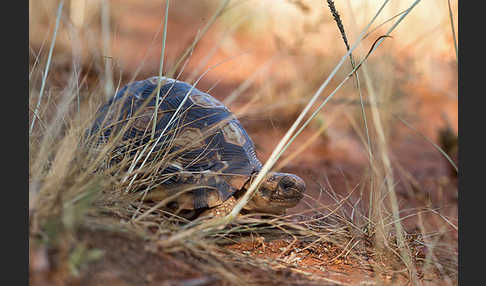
265	60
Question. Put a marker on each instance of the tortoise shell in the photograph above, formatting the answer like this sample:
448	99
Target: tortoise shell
198	142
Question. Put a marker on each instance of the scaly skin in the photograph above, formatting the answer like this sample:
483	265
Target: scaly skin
277	193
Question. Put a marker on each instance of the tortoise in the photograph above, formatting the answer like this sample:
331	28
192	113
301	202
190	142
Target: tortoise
206	159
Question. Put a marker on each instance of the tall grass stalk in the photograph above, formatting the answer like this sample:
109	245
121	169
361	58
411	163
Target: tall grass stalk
105	33
46	71
161	68
365	123
385	160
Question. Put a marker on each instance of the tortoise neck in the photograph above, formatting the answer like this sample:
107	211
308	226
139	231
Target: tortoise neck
246	185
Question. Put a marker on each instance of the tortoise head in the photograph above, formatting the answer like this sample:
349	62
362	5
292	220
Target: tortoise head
277	192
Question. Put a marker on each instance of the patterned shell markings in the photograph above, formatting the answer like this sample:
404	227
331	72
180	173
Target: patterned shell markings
213	150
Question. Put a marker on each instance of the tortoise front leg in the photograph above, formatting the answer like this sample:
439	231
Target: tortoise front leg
221	210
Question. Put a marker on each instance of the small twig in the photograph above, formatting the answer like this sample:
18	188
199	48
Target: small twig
369	52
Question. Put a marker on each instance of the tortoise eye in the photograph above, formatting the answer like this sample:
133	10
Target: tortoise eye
286	183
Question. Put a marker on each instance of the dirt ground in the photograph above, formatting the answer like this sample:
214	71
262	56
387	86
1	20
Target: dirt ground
332	161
